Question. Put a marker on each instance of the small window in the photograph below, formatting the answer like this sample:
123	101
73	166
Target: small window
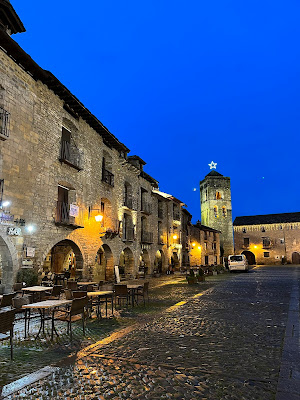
246	242
244	230
263	229
218	195
224	211
280	227
266	254
216	211
281	241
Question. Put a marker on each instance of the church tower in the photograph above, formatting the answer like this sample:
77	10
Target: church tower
216	210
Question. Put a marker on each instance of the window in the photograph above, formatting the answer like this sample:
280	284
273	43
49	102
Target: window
218	195
246	242
281	241
216	211
244	230
266	242
266	254
69	153
4	124
107	175
263	229
224	211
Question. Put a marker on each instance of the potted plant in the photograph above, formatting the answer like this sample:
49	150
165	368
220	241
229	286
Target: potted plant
191	278
200	275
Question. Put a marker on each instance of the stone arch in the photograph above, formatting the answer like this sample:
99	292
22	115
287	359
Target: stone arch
295	257
175	263
8	263
64	255
144	261
104	264
126	263
250	257
159	261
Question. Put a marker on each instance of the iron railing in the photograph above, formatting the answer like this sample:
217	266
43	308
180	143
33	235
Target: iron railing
128	234
63	214
108	177
147	237
4	124
128	202
70	155
146	207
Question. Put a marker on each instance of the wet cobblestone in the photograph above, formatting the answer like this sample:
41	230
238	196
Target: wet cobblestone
225	344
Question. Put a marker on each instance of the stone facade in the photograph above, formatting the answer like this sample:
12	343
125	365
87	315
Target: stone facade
205	245
59	169
216	209
268	239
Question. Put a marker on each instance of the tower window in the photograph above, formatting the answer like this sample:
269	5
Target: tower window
218	195
244	230
216	211
224	211
263	229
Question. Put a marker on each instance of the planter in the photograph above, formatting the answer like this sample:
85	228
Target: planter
192	280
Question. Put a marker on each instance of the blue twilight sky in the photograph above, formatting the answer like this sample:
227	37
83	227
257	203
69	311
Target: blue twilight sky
183	83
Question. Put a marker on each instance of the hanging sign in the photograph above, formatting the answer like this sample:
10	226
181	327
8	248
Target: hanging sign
74	210
13	231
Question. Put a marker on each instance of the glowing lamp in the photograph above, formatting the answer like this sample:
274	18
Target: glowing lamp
6	203
30	228
99	218
193	244
199	247
255	247
175	237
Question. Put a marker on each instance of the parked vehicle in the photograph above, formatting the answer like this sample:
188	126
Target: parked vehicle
238	262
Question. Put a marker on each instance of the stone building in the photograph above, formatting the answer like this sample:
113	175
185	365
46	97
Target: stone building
70	195
216	209
205	245
268	239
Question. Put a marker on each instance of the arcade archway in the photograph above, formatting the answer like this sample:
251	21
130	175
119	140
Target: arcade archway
250	257
159	261
175	261
104	264
126	263
144	264
6	267
64	256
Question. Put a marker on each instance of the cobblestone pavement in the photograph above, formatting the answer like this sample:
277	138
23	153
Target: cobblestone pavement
225	343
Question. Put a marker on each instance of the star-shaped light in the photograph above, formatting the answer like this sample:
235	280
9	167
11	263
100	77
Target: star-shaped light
213	165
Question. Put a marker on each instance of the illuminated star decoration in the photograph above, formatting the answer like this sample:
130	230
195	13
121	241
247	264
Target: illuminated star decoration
213	165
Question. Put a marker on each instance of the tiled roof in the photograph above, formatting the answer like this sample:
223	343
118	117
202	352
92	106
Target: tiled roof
214	173
267	219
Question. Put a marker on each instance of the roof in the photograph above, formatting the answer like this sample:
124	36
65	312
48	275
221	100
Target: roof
29	65
149	178
9	17
213	173
267	219
205	228
137	158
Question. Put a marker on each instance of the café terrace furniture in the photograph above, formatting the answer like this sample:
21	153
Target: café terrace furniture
121	294
133	290
74	313
72	285
55	293
6	300
7	325
17	287
68	294
143	292
85	285
77	294
37	290
100	297
42	306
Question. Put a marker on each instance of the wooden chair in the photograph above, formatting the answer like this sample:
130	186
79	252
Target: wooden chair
74	313
121	293
77	294
54	294
17	287
7	324
72	285
143	292
69	294
7	300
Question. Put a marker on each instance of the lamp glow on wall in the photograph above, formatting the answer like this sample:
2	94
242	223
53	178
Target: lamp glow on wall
98	217
175	237
30	228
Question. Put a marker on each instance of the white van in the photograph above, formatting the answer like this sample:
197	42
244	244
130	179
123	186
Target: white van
238	262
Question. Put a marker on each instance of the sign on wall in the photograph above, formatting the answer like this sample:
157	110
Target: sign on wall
74	210
14	231
30	252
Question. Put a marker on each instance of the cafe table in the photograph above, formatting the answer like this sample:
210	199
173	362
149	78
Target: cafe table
133	289
86	283
42	306
104	294
37	289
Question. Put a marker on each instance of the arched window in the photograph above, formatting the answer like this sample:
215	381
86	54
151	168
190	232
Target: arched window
224	211
218	195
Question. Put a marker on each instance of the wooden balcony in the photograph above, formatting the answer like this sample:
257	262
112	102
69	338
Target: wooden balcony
128	202
108	177
69	154
147	237
4	124
128	234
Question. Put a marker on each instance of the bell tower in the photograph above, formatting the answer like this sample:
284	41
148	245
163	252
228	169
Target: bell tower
216	210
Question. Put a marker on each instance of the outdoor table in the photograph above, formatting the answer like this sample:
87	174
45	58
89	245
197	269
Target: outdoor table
37	289
103	294
42	306
86	283
133	289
